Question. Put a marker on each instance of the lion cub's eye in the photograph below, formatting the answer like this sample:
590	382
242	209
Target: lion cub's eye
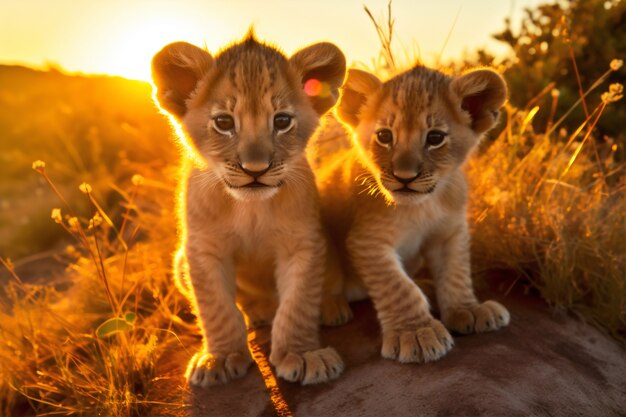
224	123
282	121
384	137
436	139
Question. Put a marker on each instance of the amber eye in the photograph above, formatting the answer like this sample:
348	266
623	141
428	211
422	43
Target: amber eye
282	121
224	123
435	139
384	137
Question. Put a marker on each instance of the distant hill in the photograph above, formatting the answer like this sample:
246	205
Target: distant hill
97	129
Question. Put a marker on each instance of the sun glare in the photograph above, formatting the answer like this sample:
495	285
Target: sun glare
134	44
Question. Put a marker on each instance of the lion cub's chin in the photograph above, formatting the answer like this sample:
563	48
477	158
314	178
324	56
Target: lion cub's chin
252	194
409	198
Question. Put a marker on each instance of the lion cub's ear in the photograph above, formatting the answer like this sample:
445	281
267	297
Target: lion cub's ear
482	93
176	70
358	87
322	68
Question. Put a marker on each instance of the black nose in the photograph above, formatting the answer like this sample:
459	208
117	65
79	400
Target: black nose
406	181
253	169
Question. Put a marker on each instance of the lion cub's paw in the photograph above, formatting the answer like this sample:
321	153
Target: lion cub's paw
311	367
423	344
335	310
205	369
480	318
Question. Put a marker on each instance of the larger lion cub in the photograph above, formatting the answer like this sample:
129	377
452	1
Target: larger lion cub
251	225
399	197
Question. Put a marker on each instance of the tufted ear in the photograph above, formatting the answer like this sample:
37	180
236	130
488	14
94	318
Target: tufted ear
482	93
358	87
322	68
176	70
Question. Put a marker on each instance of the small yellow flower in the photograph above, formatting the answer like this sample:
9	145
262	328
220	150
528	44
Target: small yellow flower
616	64
85	188
615	93
95	221
70	250
137	180
39	165
555	93
73	222
56	215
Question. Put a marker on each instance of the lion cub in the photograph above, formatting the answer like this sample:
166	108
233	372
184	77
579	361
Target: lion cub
399	196
251	208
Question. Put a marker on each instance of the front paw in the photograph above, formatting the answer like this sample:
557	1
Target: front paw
311	367
479	318
335	310
425	343
205	369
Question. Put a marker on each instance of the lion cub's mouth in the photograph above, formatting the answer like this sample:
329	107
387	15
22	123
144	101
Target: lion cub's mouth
254	184
407	190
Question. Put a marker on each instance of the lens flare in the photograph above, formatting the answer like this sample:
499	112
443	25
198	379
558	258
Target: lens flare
316	88
312	87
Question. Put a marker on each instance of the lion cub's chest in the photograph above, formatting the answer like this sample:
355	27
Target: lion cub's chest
253	231
414	224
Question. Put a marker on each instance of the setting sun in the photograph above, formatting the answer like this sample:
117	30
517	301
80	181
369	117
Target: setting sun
133	43
119	37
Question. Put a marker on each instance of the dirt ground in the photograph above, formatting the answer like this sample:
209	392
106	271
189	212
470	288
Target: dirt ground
543	364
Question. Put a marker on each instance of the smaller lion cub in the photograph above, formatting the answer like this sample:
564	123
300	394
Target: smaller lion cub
399	197
251	226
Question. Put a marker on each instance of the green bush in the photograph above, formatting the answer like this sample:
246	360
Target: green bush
557	46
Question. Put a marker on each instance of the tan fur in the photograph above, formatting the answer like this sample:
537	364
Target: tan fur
383	234
261	247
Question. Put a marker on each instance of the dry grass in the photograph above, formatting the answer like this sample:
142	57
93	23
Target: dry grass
547	207
60	353
95	348
551	210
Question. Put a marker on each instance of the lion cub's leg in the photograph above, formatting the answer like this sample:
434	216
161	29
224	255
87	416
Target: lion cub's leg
225	353
335	309
296	352
410	333
449	261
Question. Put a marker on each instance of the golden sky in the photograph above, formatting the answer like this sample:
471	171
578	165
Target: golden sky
119	37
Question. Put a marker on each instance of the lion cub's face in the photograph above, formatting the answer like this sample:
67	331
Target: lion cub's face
245	110
418	127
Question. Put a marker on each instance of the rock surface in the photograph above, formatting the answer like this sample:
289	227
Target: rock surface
541	365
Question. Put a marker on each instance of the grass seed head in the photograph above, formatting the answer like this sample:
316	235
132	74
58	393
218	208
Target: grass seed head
616	64
56	215
137	180
85	188
95	221
73	223
615	93
39	165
